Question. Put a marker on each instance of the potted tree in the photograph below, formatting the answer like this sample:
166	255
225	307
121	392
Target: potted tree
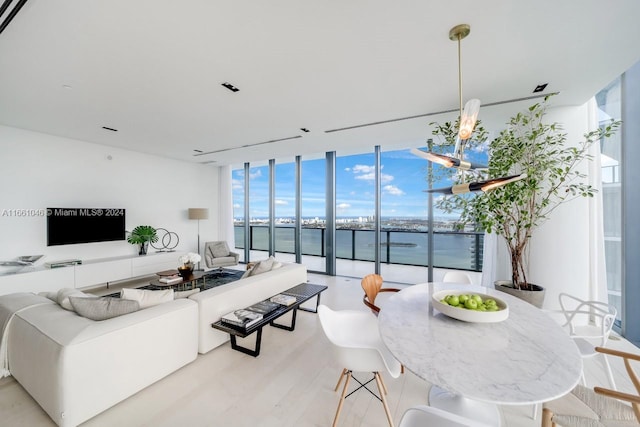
514	211
141	236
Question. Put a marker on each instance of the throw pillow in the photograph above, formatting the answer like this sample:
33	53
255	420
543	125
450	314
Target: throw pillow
262	266
145	297
102	308
53	296
219	249
62	297
185	294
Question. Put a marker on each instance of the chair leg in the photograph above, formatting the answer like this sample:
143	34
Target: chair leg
383	398
534	411
344	371
547	418
384	386
342	397
612	383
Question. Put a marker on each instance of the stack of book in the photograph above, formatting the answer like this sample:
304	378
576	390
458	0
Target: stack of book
170	280
242	318
264	307
283	299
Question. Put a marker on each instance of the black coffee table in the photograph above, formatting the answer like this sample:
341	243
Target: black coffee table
302	292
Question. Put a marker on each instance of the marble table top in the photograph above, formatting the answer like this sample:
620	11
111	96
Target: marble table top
525	359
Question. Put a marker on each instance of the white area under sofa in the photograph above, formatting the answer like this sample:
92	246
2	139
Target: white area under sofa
216	302
76	368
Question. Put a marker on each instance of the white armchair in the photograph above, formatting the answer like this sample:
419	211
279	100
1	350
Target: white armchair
218	255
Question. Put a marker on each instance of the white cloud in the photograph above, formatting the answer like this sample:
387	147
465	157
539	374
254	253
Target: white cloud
364	169
281	202
347	169
255	174
384	178
236	184
343	206
236	206
393	190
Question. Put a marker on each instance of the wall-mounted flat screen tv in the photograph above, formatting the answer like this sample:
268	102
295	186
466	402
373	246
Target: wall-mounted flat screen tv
68	226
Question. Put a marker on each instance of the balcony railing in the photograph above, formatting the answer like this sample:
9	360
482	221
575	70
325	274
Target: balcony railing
457	250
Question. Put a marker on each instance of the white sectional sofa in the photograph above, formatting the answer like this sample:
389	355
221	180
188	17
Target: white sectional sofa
216	302
76	368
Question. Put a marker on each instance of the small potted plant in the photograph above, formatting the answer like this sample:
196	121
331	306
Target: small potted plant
141	236
188	261
515	210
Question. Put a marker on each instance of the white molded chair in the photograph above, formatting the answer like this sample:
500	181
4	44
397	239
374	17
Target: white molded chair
427	416
359	348
589	323
456	277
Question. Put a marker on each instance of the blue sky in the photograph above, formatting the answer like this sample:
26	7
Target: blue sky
403	181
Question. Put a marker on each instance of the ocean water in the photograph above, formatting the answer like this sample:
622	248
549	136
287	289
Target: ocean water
451	250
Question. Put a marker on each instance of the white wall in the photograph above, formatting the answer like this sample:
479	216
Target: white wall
559	249
39	171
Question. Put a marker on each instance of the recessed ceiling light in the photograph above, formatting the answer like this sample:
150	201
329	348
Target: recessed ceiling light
231	87
67	87
305	130
540	87
197	151
111	129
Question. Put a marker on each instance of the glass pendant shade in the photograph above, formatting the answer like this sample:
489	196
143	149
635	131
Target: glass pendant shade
469	118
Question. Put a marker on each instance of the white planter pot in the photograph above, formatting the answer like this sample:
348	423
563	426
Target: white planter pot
534	297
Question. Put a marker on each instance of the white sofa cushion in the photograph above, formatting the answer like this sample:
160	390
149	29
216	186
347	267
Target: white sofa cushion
147	298
103	308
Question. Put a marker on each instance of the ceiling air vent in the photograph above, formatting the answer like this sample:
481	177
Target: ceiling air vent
7	13
231	87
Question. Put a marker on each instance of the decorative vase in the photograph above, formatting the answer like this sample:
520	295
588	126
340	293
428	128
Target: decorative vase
185	271
534	296
143	248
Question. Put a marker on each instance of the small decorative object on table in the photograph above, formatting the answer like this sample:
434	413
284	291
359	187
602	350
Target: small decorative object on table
188	261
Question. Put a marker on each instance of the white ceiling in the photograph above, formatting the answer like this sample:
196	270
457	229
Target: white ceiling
153	69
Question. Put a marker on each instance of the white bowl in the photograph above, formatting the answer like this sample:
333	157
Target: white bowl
472	316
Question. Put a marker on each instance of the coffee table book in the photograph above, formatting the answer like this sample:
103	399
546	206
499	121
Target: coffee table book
242	318
264	307
282	299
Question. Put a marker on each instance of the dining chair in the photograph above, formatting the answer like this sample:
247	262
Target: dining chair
456	277
585	407
372	285
590	324
428	416
359	348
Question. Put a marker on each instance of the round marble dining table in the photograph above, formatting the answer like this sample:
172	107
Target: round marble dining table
526	359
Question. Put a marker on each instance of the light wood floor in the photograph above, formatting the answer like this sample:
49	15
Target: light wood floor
290	384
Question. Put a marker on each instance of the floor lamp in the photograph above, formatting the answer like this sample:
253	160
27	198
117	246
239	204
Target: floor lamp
198	213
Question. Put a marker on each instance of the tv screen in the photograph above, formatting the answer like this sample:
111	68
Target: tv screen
67	226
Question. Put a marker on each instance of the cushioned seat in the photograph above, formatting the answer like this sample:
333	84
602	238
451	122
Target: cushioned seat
218	255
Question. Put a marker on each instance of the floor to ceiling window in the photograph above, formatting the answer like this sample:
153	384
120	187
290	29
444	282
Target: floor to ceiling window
285	209
355	210
609	107
313	213
237	182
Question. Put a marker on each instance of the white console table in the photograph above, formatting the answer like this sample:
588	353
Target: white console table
89	273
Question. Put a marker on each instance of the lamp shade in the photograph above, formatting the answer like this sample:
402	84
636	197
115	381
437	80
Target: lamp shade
447	161
198	213
469	118
478	186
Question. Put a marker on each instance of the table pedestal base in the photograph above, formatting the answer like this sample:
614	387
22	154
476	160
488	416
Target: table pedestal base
478	411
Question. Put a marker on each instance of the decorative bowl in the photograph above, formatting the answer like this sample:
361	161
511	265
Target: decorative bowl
466	315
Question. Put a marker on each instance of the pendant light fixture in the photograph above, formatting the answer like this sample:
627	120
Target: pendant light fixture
467	123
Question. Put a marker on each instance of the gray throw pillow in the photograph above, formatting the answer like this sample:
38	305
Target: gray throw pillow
103	308
262	266
219	249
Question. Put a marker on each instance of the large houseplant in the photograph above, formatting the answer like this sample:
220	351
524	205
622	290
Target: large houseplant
141	236
513	211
